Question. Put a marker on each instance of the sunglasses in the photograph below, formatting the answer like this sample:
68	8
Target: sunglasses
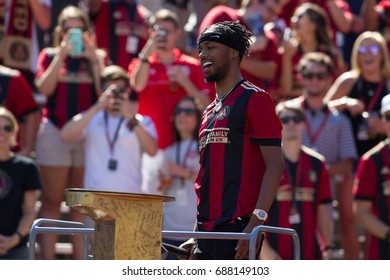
186	111
387	117
311	76
7	128
373	50
296	119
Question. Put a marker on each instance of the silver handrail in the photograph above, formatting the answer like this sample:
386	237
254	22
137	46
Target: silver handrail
60	227
76	228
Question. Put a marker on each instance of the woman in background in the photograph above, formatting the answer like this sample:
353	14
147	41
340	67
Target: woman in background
359	92
69	77
19	191
182	166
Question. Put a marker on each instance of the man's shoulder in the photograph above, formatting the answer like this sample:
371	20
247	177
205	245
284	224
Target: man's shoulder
251	87
375	151
312	154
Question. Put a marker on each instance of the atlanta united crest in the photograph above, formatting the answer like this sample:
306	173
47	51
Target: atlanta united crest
223	113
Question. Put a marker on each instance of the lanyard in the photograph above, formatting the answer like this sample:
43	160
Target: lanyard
373	100
185	157
111	143
314	136
294	179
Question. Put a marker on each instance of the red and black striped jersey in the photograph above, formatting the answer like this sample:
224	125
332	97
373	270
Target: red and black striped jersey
232	166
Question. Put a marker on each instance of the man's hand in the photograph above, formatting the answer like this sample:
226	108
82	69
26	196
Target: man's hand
189	245
243	244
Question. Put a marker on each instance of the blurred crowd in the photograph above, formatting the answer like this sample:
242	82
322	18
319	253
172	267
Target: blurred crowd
108	95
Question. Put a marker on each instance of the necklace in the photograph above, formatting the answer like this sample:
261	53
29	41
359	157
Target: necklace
218	101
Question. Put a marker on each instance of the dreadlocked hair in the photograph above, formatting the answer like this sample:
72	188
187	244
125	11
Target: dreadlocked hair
236	32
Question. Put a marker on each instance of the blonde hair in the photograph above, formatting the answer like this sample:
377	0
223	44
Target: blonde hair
6	114
70	12
381	42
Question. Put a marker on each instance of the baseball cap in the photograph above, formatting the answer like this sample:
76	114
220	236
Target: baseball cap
385	104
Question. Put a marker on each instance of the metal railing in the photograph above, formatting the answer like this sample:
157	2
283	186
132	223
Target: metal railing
76	228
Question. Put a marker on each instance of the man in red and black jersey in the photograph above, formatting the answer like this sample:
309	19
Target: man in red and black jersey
372	194
304	196
239	143
17	96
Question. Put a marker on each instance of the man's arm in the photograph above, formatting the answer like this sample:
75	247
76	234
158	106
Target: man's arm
370	222
28	132
367	12
325	228
264	70
73	130
273	158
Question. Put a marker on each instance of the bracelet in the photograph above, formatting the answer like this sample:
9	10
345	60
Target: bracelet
143	58
20	236
132	123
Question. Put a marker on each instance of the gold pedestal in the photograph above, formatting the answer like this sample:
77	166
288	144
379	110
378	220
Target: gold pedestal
127	225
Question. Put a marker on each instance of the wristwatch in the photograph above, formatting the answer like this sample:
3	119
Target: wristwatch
143	58
132	123
260	214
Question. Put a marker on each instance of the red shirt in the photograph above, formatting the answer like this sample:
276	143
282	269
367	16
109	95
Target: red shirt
232	166
372	184
16	94
158	99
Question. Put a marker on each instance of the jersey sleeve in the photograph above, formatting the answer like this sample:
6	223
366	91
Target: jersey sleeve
265	127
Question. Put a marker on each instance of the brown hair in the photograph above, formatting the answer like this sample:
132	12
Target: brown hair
114	73
315	57
70	12
164	15
291	105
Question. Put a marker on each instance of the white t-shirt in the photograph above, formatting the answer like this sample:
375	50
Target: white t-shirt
180	215
127	153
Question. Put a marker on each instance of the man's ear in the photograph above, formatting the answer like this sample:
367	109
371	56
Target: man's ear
234	53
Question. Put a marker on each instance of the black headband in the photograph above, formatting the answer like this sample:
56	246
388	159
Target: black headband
220	38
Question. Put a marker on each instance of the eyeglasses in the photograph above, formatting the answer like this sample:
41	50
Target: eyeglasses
7	128
296	119
387	117
186	111
311	75
373	50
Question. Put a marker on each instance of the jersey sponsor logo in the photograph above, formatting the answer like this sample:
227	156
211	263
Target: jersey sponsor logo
301	194
223	113
215	135
75	77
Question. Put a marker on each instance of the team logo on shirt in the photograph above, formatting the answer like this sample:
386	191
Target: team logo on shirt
5	184
386	188
312	176
223	113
